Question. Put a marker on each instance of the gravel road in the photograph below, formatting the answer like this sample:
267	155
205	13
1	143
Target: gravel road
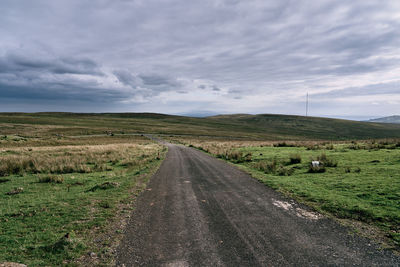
201	211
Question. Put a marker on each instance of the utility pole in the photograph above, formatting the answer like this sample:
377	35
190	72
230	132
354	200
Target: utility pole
307	105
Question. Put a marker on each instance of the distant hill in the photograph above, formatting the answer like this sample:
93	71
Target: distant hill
301	127
237	126
390	119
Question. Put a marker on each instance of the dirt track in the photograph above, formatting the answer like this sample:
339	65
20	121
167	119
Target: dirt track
200	211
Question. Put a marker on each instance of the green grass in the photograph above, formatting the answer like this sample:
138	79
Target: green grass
33	223
364	186
22	126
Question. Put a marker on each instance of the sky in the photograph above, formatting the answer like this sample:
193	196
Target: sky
201	57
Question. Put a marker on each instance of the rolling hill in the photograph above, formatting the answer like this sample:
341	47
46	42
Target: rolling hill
390	119
263	126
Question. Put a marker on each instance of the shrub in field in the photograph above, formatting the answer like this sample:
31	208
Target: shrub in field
294	158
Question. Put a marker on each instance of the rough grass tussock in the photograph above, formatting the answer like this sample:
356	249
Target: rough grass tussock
294	158
51	179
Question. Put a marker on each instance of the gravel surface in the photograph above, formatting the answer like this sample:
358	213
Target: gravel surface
201	211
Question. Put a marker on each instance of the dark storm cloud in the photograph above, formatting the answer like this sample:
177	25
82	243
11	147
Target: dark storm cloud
211	51
156	83
13	63
156	80
127	78
59	92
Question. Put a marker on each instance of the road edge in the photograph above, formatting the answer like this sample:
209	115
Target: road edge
107	240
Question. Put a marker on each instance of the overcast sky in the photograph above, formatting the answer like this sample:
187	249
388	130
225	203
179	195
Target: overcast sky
201	57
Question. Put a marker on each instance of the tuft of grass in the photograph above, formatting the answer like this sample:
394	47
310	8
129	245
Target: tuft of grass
294	158
327	162
56	179
283	144
269	167
105	204
316	169
273	167
104	186
284	171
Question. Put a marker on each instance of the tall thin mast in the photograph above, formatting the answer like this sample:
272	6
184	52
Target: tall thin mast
307	105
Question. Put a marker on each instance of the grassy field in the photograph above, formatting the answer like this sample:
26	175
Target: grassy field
59	200
256	127
358	181
67	180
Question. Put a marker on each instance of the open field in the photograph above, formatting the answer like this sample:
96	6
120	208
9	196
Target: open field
247	127
61	201
74	175
359	181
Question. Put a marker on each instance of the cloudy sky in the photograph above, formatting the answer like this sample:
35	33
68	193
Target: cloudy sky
201	57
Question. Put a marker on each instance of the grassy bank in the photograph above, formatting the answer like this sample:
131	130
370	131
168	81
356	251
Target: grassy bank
356	181
57	200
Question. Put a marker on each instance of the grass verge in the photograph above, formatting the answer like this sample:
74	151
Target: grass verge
54	219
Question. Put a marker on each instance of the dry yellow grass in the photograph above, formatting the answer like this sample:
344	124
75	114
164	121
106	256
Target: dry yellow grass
12	141
69	159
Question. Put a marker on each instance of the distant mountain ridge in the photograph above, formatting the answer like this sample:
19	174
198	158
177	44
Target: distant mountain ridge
390	119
